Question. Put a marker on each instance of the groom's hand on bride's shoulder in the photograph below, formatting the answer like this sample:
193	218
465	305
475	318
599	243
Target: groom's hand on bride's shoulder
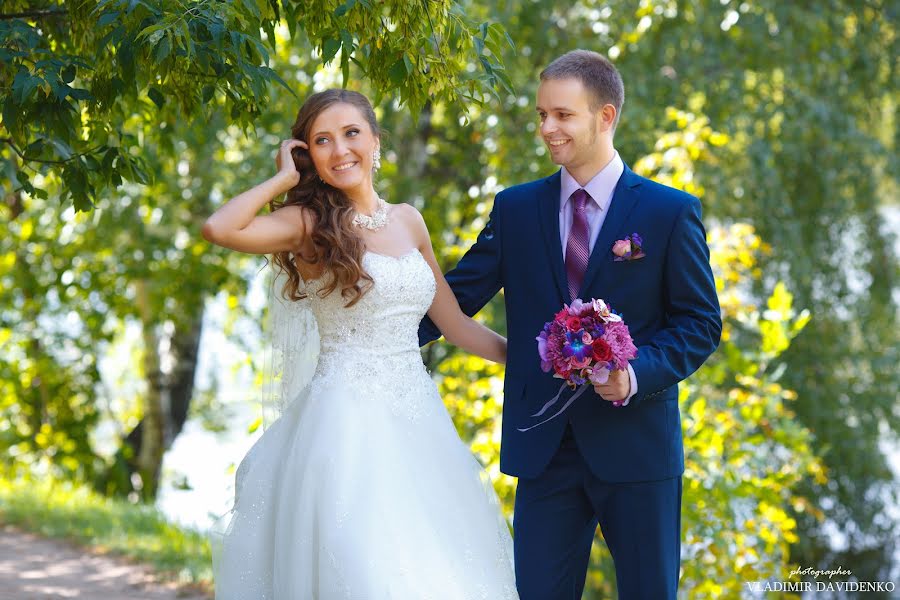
616	388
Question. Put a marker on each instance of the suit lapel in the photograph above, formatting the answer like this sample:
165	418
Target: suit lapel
548	216
625	197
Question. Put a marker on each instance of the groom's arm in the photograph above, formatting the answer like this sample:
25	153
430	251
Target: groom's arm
476	279
694	323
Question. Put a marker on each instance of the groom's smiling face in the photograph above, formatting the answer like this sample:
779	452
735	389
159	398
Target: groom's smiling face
570	127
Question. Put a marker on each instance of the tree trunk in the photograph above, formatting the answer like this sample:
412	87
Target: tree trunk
150	452
171	393
185	347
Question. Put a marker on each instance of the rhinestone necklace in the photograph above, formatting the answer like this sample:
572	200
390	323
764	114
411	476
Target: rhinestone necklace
376	221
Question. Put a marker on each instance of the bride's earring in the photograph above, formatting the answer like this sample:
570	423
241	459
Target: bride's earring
376	159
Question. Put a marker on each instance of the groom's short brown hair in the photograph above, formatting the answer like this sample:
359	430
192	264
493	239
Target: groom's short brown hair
595	72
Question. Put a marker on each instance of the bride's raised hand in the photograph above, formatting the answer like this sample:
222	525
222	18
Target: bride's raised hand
237	224
284	160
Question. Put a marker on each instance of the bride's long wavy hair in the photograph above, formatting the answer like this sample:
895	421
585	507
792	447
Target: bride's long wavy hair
337	247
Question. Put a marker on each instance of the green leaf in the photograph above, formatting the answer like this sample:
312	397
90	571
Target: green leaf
60	90
341	10
347	41
156	95
186	37
62	149
80	94
23	85
269	28
91	163
115	36
34	148
207	94
140	172
81	203
216	30
512	44
504	79
11	115
107	18
329	50
397	73
163	49
152	29
68	74
486	64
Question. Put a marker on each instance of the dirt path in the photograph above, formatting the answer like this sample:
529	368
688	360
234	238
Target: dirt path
34	568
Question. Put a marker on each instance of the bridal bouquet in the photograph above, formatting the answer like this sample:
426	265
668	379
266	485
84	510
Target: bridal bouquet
583	343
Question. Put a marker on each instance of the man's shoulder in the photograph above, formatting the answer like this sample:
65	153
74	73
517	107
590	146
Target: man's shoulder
529	189
663	197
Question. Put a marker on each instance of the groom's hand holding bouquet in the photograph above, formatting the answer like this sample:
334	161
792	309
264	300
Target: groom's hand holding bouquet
586	343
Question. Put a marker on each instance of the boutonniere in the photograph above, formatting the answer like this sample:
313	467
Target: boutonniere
631	248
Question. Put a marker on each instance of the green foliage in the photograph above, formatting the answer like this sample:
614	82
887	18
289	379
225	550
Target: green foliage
74	75
745	452
63	510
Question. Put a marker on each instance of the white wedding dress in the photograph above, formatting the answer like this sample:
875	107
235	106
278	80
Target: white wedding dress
362	489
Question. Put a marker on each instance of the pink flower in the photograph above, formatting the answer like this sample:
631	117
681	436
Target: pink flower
577	307
599	374
622	247
579	363
620	342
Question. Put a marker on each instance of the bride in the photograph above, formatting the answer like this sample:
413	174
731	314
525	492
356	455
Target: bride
362	488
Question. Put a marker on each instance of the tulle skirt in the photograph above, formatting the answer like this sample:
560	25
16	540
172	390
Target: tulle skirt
364	492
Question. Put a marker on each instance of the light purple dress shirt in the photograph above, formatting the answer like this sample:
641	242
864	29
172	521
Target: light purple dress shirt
601	189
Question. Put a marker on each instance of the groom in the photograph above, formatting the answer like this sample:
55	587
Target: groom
552	240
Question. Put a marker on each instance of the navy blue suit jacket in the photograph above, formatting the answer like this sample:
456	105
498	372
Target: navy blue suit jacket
667	299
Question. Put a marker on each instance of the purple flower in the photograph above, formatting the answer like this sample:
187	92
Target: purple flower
542	346
575	348
630	248
576	378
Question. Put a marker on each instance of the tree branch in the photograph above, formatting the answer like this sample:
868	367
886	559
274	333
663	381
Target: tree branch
44	160
37	13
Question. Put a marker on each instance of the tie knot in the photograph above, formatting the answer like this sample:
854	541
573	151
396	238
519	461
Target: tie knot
580	196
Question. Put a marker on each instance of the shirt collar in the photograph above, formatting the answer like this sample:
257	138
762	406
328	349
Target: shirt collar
600	187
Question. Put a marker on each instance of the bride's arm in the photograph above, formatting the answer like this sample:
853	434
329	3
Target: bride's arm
459	329
237	226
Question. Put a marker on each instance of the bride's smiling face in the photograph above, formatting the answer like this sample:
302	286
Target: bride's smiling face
342	145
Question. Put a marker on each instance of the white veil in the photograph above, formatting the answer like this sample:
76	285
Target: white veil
291	346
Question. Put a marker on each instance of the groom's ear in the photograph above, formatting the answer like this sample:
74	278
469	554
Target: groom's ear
607	116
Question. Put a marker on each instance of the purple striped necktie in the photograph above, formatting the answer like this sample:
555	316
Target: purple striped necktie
577	246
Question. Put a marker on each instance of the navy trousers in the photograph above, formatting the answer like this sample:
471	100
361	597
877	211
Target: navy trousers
556	517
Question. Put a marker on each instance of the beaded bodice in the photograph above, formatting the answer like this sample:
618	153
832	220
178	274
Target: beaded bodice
380	331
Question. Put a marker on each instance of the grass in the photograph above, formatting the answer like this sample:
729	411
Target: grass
138	532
